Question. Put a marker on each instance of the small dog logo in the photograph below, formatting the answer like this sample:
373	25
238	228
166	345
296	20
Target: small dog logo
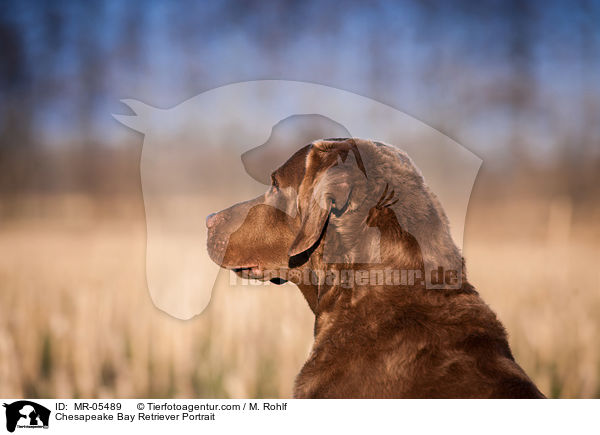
26	414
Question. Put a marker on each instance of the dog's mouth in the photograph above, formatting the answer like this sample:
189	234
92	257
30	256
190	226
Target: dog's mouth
256	272
246	270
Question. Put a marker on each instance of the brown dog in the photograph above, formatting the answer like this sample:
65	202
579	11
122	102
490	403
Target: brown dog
353	225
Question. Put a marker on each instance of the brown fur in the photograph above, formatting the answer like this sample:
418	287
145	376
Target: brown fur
351	204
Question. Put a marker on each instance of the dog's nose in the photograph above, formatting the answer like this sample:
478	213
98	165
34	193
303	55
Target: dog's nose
211	220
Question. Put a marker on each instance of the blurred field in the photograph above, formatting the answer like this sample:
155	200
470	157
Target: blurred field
536	264
76	319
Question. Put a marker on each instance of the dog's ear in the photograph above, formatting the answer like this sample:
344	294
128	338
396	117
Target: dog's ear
329	194
314	218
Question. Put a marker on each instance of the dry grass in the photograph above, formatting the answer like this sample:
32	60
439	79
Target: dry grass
76	319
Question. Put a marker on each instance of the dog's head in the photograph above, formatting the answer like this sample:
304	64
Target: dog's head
336	201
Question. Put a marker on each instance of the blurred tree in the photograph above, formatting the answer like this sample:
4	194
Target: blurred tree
15	106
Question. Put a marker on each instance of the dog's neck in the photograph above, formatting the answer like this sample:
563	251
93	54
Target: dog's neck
327	284
396	275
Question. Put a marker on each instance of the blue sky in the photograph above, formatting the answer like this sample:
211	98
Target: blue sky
453	65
